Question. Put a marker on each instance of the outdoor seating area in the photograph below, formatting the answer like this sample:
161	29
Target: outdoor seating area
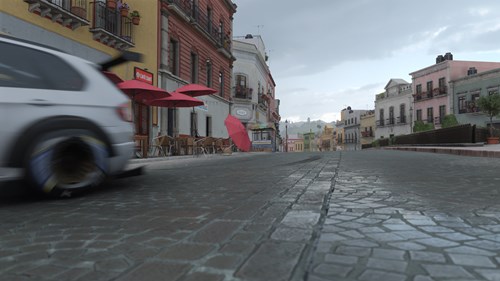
165	146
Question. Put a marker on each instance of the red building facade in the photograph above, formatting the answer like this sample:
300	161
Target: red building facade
196	48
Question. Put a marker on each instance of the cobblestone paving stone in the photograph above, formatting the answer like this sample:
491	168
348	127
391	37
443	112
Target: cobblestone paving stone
311	217
199	224
376	231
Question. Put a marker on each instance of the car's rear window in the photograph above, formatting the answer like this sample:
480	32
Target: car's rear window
23	67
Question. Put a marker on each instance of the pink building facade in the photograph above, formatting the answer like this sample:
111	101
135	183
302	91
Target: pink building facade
432	97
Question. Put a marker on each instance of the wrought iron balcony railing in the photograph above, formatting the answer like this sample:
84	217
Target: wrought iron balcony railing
242	93
200	19
110	28
470	107
70	13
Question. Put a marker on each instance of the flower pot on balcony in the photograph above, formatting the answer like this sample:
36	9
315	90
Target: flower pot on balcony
124	12
136	20
492	140
111	4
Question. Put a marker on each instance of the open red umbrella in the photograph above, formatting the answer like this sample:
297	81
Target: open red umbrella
195	90
113	77
175	100
237	133
142	92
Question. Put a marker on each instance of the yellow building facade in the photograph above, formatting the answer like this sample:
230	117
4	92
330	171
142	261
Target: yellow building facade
88	29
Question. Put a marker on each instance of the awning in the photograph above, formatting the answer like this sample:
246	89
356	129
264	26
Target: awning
261	126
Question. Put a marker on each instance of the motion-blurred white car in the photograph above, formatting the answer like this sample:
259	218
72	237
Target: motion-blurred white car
64	126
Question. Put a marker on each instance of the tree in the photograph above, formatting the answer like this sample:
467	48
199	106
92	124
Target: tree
490	105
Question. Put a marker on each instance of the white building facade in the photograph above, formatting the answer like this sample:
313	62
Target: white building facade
393	110
253	92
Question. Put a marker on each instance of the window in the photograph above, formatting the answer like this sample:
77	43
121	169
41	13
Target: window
429	89
419	89
391	115
402	114
221	83
241	90
442	85
209	126
194	9
261	135
430	115
221	31
23	67
419	114
194	68
173	57
209	74
462	105
381	117
442	112
209	19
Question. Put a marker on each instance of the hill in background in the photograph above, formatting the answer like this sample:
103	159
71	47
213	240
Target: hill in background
303	127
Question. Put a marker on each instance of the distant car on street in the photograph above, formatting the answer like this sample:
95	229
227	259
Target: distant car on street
64	127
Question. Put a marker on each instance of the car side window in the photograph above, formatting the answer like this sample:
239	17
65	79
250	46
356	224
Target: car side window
23	67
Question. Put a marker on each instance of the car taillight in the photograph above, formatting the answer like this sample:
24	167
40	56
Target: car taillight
124	112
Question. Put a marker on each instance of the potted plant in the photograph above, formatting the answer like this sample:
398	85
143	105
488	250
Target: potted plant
136	17
490	105
124	8
111	4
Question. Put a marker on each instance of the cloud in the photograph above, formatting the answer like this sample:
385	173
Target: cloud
320	51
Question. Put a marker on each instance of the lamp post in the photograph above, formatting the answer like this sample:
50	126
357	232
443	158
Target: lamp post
286	135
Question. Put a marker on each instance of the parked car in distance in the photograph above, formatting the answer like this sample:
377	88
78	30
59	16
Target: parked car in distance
64	127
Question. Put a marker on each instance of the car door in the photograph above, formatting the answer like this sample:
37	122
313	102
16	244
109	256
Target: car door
36	84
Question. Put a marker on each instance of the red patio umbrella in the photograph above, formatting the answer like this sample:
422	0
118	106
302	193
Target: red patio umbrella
237	133
113	77
142	92
195	90
175	100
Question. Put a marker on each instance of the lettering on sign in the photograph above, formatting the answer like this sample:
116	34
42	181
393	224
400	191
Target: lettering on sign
143	75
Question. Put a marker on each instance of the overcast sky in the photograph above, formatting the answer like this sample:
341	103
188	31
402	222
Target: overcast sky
328	54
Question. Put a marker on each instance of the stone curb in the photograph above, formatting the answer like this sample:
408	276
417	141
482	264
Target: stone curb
453	151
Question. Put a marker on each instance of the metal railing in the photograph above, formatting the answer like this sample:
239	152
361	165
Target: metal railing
201	19
243	93
111	21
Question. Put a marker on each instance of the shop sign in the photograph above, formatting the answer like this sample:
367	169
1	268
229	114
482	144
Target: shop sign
143	75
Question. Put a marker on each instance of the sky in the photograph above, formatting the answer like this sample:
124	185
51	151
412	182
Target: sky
325	55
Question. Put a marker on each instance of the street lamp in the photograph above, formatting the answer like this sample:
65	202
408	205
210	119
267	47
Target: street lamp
286	135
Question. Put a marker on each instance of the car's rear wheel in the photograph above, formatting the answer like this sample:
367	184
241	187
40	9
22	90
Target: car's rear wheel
66	162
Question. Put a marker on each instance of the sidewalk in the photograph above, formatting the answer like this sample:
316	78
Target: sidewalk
487	150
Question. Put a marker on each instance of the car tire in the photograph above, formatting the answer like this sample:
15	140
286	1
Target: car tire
65	163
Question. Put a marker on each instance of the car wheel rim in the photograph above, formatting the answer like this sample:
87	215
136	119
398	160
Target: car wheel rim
69	163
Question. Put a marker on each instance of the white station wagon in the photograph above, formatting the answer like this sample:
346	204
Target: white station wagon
64	126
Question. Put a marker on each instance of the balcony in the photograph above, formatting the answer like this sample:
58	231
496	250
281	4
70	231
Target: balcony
390	121
470	107
401	120
201	21
380	123
367	134
69	13
441	91
263	103
110	28
242	93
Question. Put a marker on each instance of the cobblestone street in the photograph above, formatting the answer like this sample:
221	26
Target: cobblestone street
351	215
